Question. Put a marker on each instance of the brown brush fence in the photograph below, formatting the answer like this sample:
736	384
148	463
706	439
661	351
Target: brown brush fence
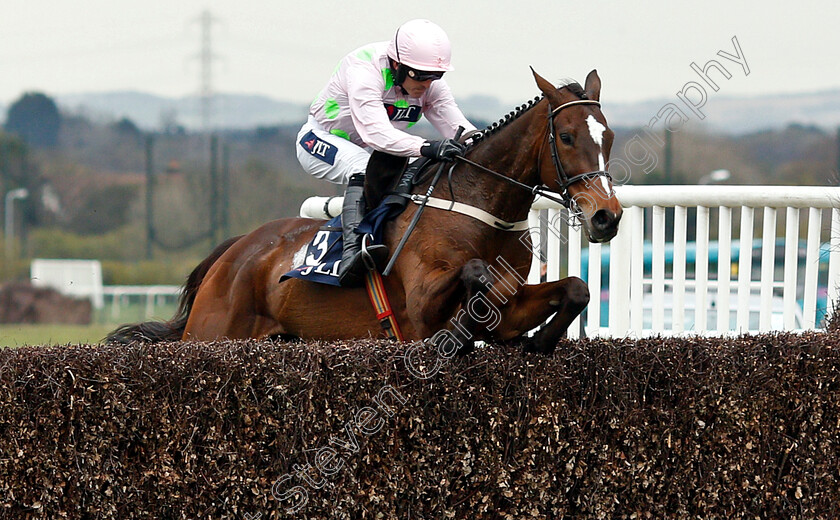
743	427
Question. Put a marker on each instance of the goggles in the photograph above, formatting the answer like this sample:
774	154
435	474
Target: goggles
423	75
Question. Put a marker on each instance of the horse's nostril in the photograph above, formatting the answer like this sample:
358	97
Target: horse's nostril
603	219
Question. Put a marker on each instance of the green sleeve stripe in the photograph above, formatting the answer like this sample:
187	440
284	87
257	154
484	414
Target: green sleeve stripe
331	108
340	133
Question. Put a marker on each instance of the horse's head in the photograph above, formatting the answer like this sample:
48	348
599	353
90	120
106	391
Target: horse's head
574	160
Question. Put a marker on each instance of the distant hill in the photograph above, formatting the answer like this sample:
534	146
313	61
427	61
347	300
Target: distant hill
148	111
738	115
731	115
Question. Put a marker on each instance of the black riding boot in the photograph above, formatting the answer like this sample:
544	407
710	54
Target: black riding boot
357	257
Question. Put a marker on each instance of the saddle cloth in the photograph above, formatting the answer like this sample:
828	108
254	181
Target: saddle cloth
320	259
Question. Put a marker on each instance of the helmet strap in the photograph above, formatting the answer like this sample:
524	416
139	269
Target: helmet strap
400	72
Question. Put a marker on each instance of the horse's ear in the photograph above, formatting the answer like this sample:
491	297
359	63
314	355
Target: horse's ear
593	86
545	86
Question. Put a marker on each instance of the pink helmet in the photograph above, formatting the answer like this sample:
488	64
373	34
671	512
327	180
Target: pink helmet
421	45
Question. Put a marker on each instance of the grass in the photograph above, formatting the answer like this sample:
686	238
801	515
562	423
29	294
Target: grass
17	335
105	320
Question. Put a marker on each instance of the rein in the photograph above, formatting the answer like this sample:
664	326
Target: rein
563	179
540	189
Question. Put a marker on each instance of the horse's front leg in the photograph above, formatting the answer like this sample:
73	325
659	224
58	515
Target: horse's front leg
463	290
531	305
478	312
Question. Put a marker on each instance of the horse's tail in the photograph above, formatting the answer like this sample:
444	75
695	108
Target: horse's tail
172	330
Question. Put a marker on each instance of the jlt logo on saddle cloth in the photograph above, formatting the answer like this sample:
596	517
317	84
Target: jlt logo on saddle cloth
318	147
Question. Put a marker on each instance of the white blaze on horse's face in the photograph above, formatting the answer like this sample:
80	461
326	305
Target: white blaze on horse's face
596	130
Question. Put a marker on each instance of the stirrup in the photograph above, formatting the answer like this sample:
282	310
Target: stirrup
368	260
374	256
369	257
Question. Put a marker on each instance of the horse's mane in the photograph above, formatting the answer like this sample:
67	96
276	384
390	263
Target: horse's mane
570	84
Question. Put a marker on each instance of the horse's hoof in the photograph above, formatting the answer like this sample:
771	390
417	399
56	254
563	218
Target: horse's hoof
468	348
534	345
529	346
547	349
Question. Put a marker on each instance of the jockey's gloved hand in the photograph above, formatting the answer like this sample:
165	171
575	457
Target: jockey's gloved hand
467	137
445	150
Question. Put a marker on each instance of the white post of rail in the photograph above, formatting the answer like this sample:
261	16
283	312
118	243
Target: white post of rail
834	265
534	228
745	268
791	264
554	236
724	267
812	268
593	279
637	270
768	261
678	312
658	270
701	270
619	266
574	244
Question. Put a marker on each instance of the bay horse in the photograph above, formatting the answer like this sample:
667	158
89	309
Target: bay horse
560	141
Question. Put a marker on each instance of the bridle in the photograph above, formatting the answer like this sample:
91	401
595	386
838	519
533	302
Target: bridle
563	179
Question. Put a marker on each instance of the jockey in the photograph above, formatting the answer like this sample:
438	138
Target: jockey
375	94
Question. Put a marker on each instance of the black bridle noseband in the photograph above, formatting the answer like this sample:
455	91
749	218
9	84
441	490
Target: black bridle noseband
562	178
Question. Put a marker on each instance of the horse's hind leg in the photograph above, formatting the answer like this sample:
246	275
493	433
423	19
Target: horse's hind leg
533	304
225	306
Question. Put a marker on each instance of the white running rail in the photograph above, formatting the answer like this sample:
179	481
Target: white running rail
654	284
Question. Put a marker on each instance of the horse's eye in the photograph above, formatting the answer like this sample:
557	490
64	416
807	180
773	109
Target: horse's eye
566	139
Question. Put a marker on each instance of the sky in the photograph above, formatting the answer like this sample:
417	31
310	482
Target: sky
286	49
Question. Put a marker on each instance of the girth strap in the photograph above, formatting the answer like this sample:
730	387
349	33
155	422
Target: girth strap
379	299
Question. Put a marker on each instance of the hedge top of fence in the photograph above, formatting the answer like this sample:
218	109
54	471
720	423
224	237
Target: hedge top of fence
709	427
